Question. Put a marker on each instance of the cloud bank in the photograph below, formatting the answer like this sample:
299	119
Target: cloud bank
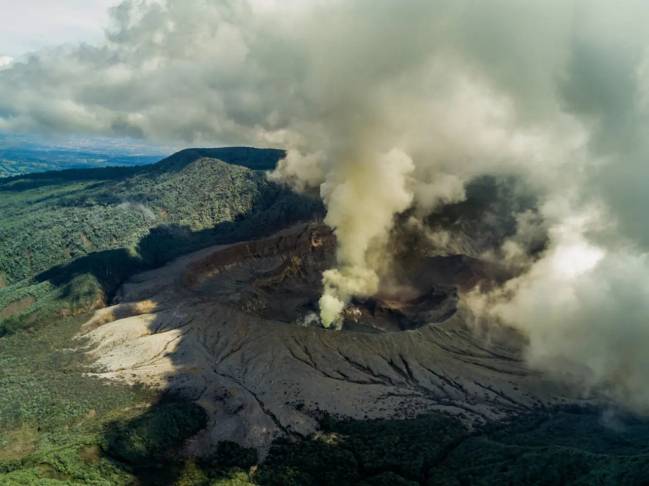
391	106
5	62
28	26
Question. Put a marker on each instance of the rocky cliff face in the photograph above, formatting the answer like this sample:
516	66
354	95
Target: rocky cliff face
230	328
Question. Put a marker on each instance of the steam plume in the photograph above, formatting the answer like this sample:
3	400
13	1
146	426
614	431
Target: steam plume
362	198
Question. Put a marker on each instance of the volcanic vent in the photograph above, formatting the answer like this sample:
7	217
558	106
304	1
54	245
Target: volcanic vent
280	279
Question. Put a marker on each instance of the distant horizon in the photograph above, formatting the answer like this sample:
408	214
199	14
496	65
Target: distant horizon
85	142
127	145
22	154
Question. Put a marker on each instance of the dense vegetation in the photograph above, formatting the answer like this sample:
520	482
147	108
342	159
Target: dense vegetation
554	448
52	416
54	217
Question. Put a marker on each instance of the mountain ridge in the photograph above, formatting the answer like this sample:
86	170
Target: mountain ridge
135	196
260	159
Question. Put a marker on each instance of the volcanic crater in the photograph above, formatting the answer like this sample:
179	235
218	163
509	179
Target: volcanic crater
280	279
232	327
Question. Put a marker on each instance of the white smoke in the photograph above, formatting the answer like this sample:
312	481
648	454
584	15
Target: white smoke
362	194
5	62
387	106
300	171
585	309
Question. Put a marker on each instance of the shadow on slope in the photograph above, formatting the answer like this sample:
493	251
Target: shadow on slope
554	447
148	445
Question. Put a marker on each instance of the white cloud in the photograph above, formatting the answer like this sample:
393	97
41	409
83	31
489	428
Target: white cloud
35	24
5	61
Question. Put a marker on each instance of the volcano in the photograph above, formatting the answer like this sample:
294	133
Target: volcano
233	328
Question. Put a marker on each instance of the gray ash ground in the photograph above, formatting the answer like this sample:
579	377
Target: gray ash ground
224	327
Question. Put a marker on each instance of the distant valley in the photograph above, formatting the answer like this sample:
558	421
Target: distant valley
25	155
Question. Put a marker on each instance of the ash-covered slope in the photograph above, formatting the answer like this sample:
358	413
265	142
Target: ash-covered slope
228	327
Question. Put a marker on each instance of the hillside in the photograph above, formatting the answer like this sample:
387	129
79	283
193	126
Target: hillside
87	230
54	217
